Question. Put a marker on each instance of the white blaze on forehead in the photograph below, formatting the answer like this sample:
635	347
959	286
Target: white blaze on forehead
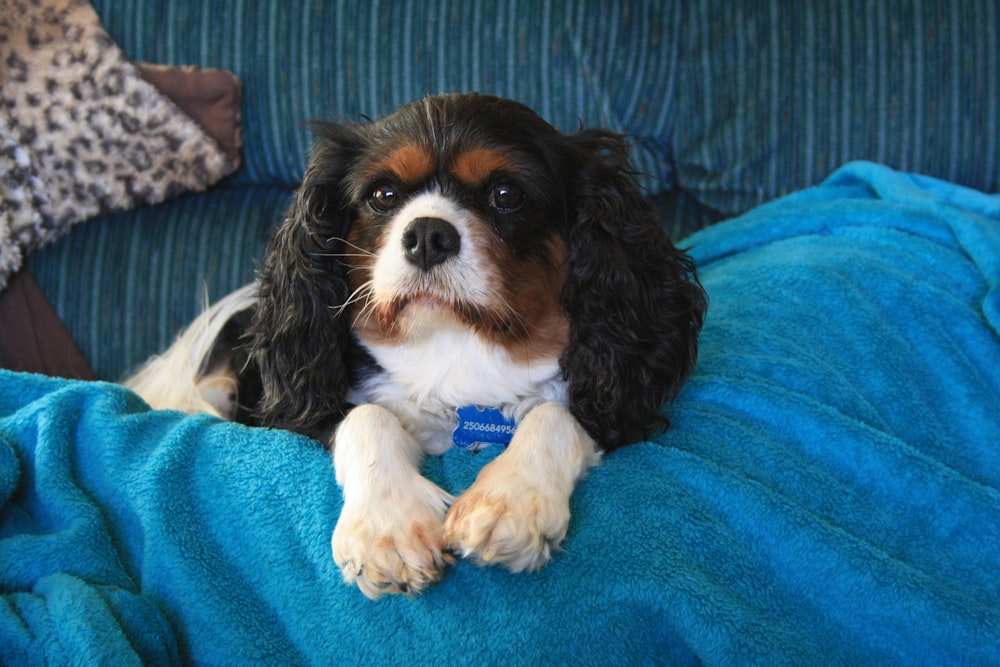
466	276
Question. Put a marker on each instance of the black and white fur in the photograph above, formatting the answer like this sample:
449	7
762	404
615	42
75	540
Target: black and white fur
459	251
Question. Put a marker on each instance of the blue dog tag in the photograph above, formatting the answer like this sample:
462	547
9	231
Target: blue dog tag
479	426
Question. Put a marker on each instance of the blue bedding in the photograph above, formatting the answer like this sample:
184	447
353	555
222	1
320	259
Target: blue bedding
829	491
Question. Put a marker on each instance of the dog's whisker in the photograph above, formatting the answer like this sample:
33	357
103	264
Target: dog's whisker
351	300
344	254
366	294
364	291
367	311
362	251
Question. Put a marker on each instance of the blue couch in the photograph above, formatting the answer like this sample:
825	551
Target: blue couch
829	492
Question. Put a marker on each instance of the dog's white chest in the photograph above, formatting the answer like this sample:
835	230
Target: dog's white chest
454	367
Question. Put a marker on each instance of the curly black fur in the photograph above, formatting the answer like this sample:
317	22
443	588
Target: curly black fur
633	299
299	343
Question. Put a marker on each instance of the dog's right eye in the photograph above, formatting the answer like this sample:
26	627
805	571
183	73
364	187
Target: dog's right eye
383	198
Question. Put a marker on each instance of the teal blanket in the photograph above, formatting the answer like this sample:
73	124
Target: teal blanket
829	492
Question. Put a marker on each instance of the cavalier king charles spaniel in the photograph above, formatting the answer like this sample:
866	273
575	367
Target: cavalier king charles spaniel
456	272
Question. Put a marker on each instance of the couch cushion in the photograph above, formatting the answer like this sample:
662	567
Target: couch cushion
132	280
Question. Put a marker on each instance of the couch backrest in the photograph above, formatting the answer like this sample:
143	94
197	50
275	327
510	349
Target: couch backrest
733	103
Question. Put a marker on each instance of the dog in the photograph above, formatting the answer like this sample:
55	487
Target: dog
458	252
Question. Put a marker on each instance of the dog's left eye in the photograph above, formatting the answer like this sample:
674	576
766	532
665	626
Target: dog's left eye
384	198
505	197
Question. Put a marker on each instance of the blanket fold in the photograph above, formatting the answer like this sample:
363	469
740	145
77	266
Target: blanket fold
829	492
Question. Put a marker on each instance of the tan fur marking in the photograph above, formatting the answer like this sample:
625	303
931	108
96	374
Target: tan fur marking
410	163
475	166
534	294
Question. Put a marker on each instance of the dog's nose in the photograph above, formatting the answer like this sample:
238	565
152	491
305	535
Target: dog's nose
429	241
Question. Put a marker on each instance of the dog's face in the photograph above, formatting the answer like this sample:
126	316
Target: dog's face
470	212
458	219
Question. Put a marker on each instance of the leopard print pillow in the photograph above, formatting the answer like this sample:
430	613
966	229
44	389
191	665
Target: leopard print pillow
81	132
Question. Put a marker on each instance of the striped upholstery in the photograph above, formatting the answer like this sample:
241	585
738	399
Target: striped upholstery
730	104
299	60
125	284
776	95
735	102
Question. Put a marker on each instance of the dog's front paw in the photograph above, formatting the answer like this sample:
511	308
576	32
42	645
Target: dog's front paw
507	521
393	545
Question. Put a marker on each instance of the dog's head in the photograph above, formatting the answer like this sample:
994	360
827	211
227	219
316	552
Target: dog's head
471	211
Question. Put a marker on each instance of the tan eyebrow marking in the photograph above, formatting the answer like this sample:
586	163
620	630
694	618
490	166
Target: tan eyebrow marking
410	163
474	166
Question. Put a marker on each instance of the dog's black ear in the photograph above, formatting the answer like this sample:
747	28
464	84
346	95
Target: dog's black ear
633	300
298	340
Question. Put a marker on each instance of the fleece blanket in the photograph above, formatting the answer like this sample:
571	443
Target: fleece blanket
829	492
